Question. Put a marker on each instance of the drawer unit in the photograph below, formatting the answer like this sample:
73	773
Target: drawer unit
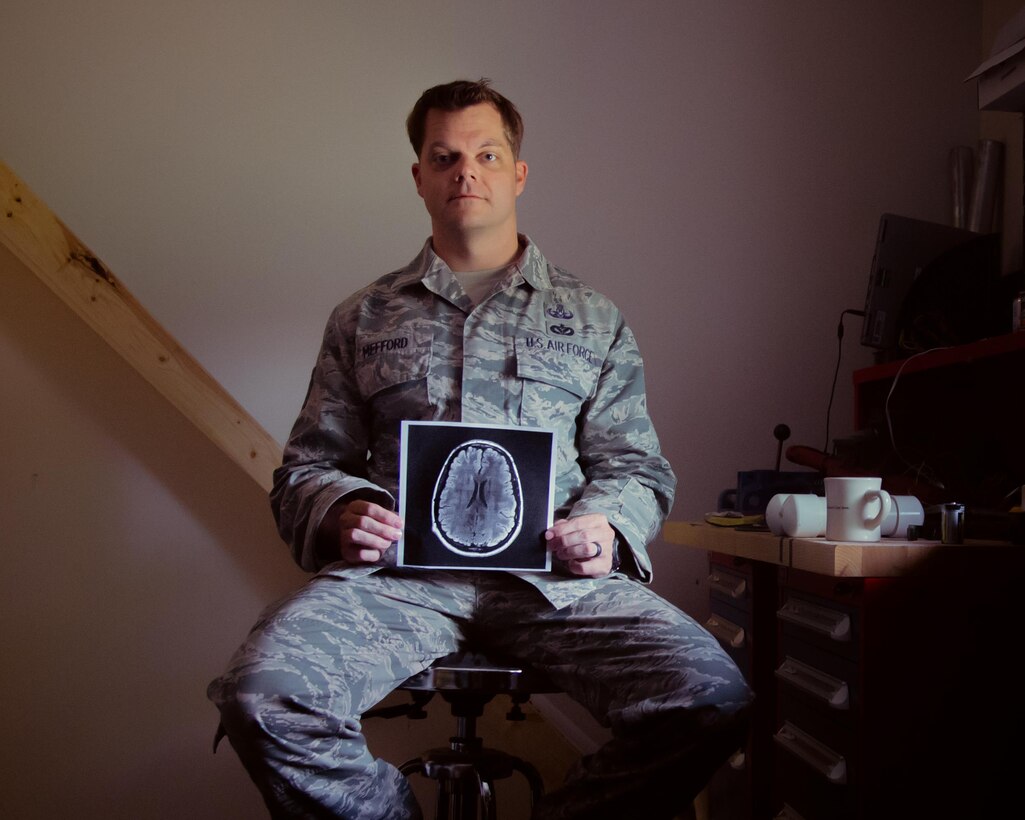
742	595
862	725
731	596
817	735
731	620
879	697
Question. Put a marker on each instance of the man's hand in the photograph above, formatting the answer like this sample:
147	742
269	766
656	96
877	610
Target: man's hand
361	530
584	543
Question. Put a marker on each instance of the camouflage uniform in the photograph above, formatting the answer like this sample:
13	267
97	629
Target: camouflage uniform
543	350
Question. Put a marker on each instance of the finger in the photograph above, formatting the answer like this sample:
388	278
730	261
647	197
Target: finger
371	535
583	528
591	567
360	546
352	523
587	551
355	554
568	529
360	509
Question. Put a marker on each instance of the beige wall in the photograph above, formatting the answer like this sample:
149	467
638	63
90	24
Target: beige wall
719	169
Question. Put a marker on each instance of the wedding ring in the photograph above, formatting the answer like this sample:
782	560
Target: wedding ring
597	548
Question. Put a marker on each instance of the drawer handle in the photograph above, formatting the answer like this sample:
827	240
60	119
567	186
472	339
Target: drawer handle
820	757
787	813
829	622
728	633
729	585
819	685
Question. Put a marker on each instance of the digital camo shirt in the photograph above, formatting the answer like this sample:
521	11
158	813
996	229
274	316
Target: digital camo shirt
543	350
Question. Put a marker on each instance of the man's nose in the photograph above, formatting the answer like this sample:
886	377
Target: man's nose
465	170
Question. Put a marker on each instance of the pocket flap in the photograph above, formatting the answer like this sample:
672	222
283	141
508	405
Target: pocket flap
392	357
571	366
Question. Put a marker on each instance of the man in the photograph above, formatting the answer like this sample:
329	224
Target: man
478	328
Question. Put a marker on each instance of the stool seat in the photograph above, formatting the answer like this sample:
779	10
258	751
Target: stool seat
465	770
468	671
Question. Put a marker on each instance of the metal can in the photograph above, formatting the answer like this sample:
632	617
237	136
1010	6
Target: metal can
952	523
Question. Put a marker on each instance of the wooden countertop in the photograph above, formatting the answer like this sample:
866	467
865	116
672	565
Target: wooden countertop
887	557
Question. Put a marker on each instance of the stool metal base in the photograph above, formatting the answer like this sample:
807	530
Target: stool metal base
466	780
466	770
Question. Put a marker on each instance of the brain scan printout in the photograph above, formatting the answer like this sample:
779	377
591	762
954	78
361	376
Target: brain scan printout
475	496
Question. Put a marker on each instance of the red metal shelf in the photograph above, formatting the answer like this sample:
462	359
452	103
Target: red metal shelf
943	357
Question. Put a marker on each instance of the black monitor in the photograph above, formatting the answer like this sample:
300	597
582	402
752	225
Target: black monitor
930	285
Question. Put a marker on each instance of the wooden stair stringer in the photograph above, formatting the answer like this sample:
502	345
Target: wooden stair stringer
48	250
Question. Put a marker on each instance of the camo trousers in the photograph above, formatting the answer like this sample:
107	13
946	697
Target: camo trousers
294	692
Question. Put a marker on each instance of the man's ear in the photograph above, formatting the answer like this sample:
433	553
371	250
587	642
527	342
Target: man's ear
521	176
416	177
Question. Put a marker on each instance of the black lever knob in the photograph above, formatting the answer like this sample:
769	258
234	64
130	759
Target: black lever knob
781	433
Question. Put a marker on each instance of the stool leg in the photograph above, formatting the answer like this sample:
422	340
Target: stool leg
487	800
414	766
464	802
479	799
466	799
460	799
441	805
537	785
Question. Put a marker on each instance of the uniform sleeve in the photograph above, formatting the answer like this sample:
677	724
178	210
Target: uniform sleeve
628	480
325	457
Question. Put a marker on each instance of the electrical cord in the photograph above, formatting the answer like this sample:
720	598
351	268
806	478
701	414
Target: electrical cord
920	470
923	468
836	372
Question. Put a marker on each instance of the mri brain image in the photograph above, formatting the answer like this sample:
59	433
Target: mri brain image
477	507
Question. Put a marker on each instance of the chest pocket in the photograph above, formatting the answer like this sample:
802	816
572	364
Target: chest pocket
392	358
555	382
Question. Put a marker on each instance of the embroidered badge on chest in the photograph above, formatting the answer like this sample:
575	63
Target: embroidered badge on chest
558	311
561	330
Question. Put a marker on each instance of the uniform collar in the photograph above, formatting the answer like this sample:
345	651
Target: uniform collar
530	267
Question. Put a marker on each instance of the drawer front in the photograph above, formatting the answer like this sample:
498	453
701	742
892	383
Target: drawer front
734	614
810	776
811	794
818	675
729	792
822	689
834	729
824	624
729	586
734	637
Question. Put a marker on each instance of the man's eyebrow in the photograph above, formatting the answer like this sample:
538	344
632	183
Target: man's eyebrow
487	142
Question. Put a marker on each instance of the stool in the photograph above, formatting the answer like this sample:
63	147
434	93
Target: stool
466	770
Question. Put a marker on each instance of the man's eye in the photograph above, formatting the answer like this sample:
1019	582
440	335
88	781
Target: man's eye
490	156
442	159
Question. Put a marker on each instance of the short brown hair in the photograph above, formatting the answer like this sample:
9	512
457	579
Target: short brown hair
461	94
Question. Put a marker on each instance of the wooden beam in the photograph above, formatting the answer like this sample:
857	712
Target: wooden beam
48	250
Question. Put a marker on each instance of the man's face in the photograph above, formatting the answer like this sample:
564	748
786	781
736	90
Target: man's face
467	175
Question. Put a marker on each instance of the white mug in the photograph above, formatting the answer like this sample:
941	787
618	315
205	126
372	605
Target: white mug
856	508
906	510
803	515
